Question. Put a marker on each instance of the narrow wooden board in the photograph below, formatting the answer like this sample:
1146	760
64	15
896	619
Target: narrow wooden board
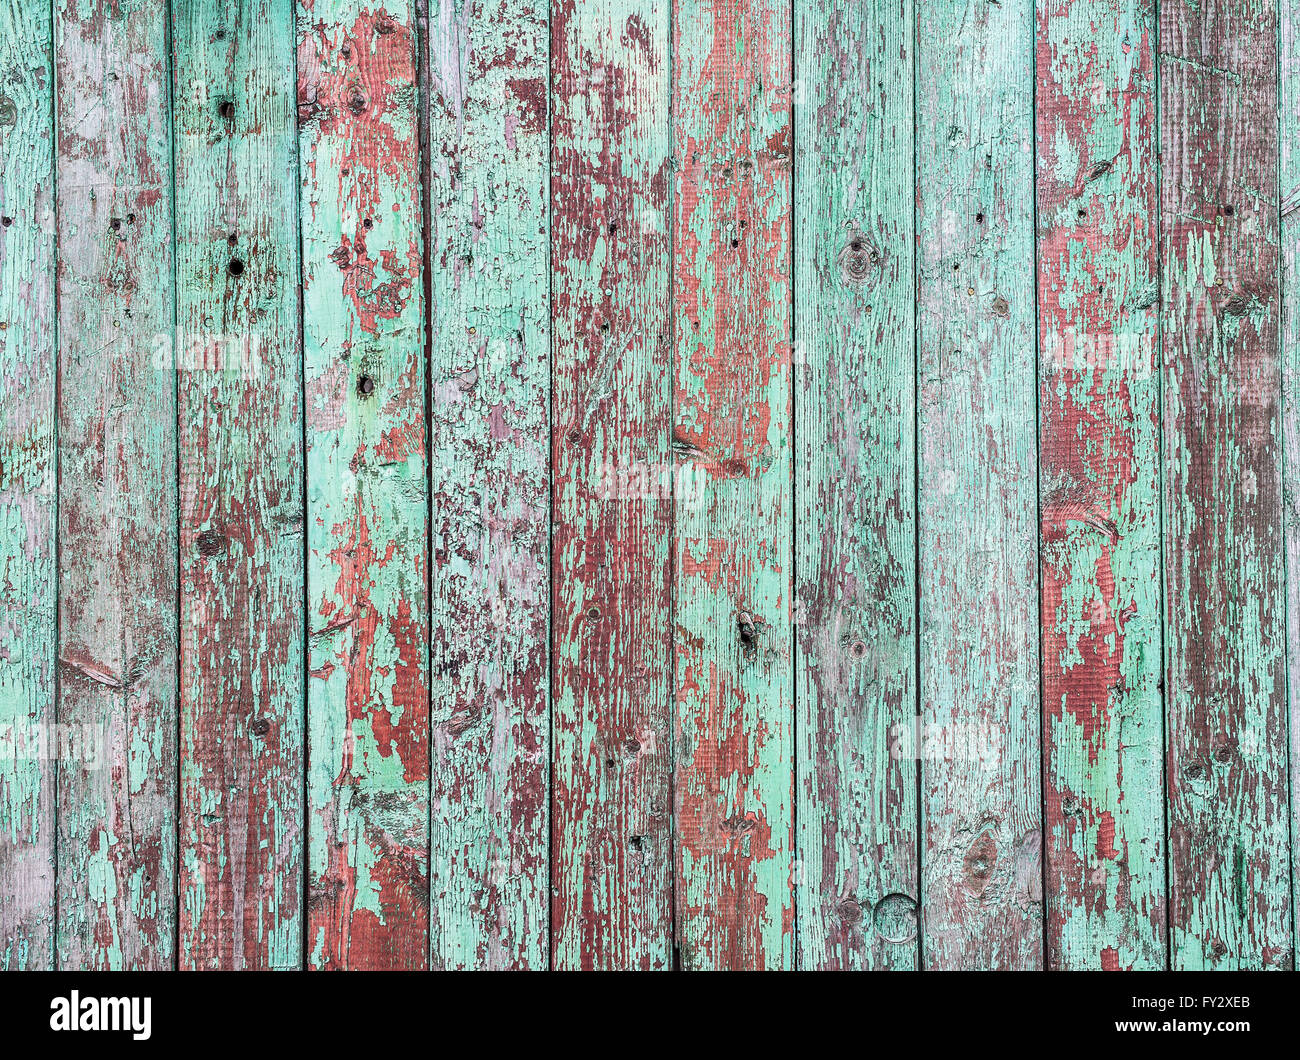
733	570
612	508
367	487
855	499
981	865
489	385
1099	475
239	377
117	488
1226	765
1289	189
27	487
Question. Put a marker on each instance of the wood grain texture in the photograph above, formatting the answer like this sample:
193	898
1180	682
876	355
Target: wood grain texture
980	768
1289	190
1226	765
611	394
733	572
117	487
855	501
27	487
1099	474
490	453
237	358
367	487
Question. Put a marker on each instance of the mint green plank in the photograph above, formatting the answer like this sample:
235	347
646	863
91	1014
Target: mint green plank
236	354
612	362
117	488
855	511
367	487
732	571
981	868
489	388
1099	398
27	486
1225	625
1289	190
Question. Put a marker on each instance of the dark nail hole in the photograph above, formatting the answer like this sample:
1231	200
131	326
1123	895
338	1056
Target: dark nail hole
1082	214
593	612
605	326
236	267
226	109
232	239
115	224
365	386
635	841
1228	211
735	242
357	104
346	51
130	218
260	726
613	227
6	221
367	224
979	218
575	436
211	542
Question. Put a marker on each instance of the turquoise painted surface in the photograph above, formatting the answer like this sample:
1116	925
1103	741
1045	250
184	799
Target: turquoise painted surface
733	571
116	489
981	862
1099	485
489	390
857	880
236	355
27	487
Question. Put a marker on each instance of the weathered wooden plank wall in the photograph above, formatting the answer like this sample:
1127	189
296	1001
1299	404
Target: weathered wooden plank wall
620	485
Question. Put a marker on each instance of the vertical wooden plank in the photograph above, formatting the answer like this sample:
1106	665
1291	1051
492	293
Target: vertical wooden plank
732	553
1289	190
239	377
117	487
490	453
980	771
27	487
367	487
1226	766
1099	474
611	753
855	499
